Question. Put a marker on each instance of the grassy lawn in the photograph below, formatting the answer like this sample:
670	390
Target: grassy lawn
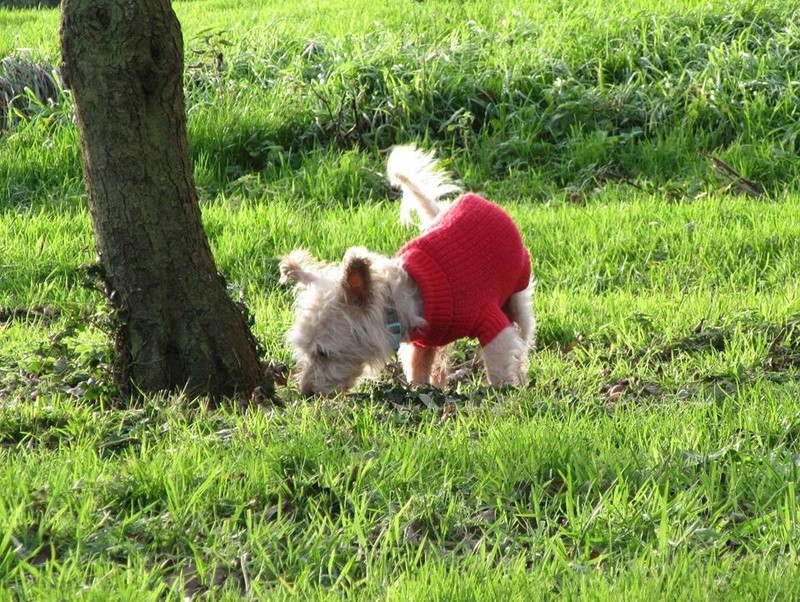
655	453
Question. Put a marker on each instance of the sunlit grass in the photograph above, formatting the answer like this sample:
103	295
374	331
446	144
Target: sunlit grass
654	454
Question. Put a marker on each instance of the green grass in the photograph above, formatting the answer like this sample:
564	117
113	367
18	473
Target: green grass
655	453
545	99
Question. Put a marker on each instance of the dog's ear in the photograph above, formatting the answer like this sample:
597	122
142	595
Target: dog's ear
357	279
299	266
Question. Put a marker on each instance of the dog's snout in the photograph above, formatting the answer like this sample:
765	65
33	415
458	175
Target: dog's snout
309	387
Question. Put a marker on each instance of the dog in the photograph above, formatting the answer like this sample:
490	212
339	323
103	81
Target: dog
468	274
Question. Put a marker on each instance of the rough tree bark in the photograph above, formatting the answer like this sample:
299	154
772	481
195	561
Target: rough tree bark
123	62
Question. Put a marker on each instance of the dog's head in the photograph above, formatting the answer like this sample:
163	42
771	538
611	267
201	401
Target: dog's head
339	332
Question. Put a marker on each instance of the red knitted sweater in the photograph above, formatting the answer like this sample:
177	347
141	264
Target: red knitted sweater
466	267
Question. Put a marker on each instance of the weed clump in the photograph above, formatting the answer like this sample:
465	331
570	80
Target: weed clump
25	86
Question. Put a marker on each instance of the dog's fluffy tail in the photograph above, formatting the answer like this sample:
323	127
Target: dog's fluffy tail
418	175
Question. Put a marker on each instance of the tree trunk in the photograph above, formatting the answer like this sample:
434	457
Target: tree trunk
123	62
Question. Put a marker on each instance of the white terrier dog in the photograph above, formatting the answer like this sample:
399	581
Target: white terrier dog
467	275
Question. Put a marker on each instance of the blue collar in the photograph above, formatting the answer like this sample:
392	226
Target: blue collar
394	327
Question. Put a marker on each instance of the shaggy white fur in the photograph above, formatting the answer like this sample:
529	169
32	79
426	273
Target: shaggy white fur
340	331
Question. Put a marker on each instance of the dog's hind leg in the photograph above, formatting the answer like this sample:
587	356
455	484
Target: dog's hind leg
506	358
519	309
